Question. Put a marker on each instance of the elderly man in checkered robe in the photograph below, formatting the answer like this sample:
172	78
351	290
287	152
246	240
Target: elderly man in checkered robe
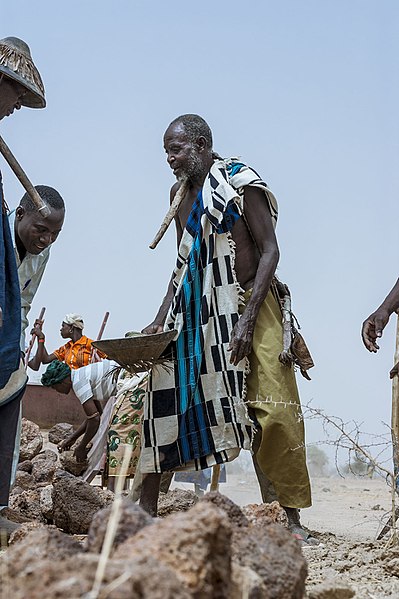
227	321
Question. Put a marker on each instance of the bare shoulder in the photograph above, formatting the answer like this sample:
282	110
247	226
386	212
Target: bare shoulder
173	190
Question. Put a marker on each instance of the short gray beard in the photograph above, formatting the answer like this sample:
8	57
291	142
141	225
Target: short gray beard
195	169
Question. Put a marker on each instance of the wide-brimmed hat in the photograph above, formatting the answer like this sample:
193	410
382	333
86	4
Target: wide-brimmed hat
16	63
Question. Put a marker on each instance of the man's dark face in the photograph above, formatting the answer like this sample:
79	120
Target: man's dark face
183	156
11	94
36	233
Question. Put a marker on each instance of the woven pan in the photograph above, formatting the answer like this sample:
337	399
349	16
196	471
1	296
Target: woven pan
136	353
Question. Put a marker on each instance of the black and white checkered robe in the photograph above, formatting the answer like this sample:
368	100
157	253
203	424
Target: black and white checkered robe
194	414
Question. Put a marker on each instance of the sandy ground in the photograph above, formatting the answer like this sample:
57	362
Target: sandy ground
347	514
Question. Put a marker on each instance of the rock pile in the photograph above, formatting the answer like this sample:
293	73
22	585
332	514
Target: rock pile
198	548
211	550
44	493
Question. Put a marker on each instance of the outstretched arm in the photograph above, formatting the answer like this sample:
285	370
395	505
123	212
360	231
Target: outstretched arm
69	441
157	324
374	325
261	227
41	357
92	424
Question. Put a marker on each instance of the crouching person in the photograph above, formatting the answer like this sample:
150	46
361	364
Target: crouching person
93	385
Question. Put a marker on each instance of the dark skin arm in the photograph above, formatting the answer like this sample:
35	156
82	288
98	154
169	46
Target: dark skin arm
374	325
69	441
157	324
41	357
91	427
260	224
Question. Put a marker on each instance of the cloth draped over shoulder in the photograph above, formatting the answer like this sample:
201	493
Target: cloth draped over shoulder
10	301
194	412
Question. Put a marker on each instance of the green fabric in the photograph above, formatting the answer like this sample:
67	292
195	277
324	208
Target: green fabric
56	372
272	395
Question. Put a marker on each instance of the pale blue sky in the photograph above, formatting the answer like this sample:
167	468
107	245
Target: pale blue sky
306	92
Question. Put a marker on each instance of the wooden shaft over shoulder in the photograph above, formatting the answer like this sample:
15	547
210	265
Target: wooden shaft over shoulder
22	177
173	210
104	322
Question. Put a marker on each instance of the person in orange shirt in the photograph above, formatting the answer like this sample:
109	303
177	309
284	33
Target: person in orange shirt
76	353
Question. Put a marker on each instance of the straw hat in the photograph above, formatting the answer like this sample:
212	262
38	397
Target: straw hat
17	64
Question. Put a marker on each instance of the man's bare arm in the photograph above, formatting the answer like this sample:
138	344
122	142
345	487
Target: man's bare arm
157	324
374	325
41	356
261	227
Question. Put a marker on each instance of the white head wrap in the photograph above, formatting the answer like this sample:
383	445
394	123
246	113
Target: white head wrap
75	320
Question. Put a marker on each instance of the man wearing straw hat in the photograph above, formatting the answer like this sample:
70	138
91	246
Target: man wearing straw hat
20	85
227	317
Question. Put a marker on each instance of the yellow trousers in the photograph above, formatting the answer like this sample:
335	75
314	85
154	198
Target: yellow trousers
273	398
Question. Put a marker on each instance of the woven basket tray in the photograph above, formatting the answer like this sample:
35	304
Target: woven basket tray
136	353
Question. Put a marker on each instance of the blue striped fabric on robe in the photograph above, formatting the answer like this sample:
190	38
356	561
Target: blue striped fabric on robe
195	414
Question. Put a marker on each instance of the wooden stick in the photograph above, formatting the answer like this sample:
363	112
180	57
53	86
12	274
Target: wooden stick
94	355
215	477
174	207
112	526
32	341
104	322
390	525
395	411
21	175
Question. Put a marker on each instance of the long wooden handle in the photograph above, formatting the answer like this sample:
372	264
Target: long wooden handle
174	207
21	175
395	410
215	477
104	322
94	356
32	341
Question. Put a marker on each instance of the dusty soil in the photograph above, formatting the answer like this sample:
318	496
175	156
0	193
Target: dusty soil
347	515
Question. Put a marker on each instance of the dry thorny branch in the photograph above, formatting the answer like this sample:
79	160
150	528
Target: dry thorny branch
347	436
370	449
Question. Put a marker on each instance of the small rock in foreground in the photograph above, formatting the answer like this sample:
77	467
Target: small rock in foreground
75	502
177	500
132	518
31	440
59	432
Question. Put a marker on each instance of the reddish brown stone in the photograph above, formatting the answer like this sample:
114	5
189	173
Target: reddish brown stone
75	502
31	440
266	513
194	544
234	513
132	518
178	500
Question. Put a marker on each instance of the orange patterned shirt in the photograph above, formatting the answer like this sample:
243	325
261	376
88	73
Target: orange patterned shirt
78	354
